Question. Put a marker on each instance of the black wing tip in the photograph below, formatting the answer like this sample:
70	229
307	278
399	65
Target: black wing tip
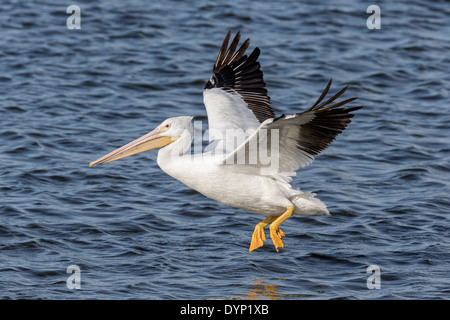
355	108
327	105
236	71
228	53
256	52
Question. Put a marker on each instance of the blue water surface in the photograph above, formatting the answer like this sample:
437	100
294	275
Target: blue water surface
68	96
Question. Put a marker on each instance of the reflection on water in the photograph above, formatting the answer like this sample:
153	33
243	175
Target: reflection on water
261	290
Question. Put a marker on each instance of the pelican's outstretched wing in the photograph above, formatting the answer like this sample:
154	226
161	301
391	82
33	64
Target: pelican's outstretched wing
235	96
287	143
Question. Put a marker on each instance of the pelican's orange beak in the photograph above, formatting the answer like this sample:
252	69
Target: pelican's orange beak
147	142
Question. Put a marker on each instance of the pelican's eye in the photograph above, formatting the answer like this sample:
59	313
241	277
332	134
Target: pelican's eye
164	128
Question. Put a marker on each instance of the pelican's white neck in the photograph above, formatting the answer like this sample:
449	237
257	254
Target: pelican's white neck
179	147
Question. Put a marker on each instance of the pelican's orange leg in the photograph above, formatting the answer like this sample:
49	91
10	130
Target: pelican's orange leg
258	235
275	232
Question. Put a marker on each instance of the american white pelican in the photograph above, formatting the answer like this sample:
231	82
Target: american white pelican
254	174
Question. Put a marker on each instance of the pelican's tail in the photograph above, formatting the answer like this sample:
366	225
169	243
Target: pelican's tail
307	204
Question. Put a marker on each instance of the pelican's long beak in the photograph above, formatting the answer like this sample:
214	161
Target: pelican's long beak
149	141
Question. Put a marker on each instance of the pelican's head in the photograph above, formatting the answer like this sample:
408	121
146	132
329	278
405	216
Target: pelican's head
169	131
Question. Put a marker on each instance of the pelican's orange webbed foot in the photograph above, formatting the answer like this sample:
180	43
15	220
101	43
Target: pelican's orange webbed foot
258	236
275	232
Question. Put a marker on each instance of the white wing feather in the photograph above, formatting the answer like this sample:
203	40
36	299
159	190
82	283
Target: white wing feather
226	110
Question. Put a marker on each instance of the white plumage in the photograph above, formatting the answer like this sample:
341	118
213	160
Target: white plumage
252	155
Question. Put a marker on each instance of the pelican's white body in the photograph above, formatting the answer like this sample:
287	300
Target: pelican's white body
263	194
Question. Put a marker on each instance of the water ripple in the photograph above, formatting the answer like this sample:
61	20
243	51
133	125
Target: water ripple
69	96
